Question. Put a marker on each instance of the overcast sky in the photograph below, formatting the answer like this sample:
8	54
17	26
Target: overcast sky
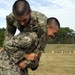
63	10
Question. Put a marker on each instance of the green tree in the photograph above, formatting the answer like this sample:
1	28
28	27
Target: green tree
2	32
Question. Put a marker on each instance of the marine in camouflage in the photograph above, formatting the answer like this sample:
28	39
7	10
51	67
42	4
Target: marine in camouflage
37	24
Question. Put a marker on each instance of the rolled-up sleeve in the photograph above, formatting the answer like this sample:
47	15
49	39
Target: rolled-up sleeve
10	29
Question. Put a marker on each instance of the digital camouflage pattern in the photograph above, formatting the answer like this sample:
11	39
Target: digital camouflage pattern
21	44
7	67
23	41
36	24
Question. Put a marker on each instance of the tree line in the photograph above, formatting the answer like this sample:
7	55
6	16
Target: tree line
64	36
2	32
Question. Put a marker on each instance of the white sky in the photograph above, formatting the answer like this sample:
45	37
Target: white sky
63	10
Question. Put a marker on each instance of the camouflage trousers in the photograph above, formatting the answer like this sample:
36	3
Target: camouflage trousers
7	66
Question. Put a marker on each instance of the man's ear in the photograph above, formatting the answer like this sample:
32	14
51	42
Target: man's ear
48	26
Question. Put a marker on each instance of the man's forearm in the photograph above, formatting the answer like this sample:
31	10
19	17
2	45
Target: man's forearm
29	61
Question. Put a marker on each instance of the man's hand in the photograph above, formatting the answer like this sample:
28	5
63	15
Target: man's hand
22	65
31	56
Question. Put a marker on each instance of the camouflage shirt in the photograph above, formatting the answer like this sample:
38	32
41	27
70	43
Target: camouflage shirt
37	24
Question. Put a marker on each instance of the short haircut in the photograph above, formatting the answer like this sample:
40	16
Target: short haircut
53	19
21	7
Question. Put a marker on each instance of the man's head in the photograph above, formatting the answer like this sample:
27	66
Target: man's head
21	11
53	26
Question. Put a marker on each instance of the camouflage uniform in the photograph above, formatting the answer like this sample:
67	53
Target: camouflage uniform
23	42
37	24
7	67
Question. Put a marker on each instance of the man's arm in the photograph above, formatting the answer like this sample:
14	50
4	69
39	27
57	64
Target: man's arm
10	29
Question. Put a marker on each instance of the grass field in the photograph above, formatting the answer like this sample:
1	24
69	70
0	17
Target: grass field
60	47
57	63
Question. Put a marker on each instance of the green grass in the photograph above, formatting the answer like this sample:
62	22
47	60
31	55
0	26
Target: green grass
58	48
56	64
